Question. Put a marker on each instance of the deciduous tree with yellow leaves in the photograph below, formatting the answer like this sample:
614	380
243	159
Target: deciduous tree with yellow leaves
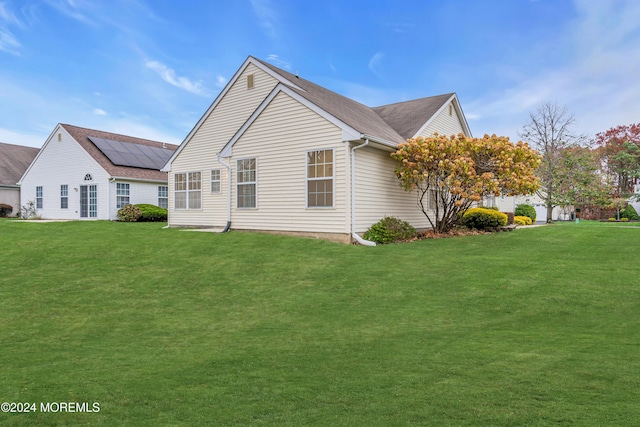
449	174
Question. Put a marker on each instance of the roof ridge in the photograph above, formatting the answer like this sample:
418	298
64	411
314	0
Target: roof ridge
118	134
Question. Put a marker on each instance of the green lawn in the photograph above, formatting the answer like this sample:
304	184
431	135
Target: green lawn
166	327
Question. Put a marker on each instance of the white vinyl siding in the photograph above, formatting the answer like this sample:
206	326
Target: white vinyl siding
215	131
282	135
444	124
378	192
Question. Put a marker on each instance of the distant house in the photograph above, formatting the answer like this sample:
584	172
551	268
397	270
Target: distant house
276	152
14	160
89	174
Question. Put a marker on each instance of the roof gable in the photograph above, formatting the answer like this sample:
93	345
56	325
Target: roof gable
14	161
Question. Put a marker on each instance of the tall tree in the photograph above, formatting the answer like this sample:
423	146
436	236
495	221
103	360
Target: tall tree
549	131
450	173
580	182
620	150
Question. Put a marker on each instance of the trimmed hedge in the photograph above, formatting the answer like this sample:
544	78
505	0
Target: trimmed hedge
481	218
390	230
151	213
522	220
526	210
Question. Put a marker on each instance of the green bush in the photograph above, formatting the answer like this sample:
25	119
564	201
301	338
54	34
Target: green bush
629	213
522	220
151	213
481	218
5	210
526	210
390	230
129	213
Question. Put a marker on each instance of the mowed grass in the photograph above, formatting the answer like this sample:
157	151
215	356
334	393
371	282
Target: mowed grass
166	327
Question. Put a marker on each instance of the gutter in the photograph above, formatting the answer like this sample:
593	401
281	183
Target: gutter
355	235
228	166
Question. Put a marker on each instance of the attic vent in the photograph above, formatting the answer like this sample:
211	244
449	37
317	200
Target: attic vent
59	137
250	81
450	109
88	177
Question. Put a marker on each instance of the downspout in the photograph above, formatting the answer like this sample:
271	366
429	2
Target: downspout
355	235
228	166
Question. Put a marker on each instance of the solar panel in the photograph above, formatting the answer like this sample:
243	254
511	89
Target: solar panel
133	155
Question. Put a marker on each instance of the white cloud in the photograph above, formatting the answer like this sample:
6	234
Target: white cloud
375	62
598	82
99	112
220	81
267	16
275	60
8	43
9	136
169	75
72	8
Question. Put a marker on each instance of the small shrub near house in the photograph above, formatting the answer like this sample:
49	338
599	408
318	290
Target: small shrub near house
129	213
151	213
5	210
629	213
390	230
526	210
481	218
522	220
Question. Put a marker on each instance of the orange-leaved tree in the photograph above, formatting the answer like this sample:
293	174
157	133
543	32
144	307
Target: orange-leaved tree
450	173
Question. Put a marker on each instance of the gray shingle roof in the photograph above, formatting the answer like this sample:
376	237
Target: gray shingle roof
408	117
82	136
393	122
14	161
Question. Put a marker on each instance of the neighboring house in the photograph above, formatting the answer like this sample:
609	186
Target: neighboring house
276	152
509	203
88	174
14	160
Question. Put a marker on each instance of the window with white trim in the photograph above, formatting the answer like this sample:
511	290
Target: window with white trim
39	197
188	190
64	196
163	196
215	181
246	183
320	179
122	194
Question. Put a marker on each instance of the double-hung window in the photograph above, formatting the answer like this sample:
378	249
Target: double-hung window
39	197
64	196
163	196
122	194
188	190
215	181
246	184
320	179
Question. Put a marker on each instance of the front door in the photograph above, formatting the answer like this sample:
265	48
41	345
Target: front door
88	201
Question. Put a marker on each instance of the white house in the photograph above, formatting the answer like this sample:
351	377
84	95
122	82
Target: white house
14	160
276	152
89	174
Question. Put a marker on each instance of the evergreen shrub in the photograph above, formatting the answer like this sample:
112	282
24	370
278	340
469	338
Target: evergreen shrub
151	213
526	210
481	218
629	213
522	220
390	230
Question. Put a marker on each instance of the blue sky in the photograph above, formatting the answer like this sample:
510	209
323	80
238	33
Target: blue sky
150	68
